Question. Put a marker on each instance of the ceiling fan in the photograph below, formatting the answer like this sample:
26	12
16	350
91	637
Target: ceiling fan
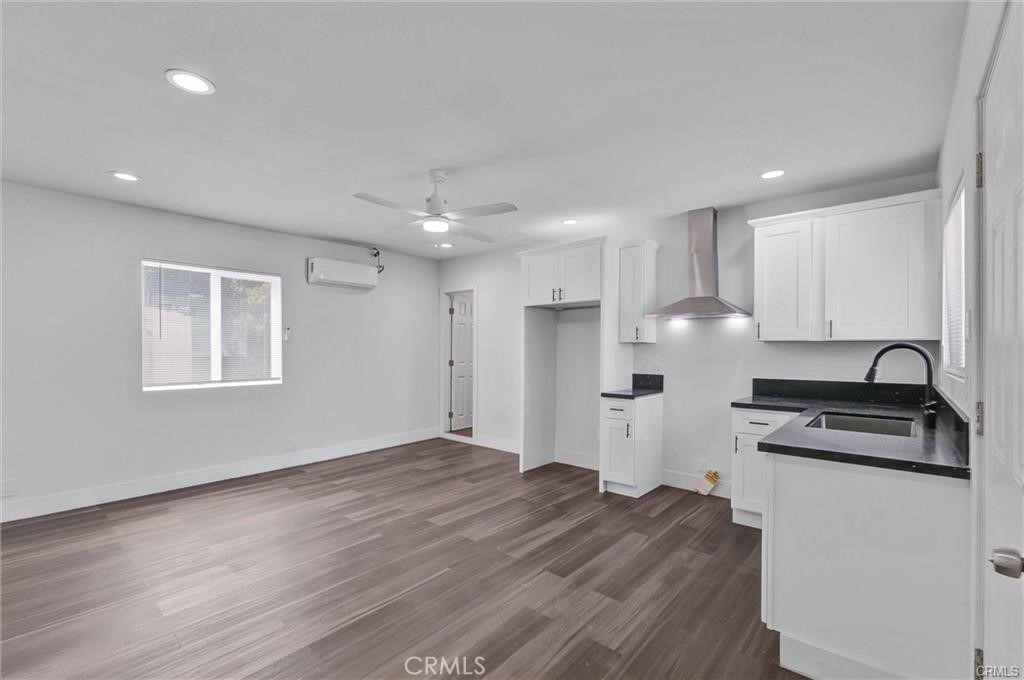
437	218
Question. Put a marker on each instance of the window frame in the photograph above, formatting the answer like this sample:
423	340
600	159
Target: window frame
959	202
216	350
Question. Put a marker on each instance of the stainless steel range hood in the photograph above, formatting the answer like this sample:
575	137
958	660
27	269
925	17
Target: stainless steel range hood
703	302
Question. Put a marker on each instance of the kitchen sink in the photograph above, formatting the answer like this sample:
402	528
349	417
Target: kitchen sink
896	427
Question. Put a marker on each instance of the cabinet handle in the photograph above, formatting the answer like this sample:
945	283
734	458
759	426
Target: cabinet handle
758	422
612	408
830	329
758	330
627	430
637	332
559	293
735	443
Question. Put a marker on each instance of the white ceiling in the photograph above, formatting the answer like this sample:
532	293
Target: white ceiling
615	114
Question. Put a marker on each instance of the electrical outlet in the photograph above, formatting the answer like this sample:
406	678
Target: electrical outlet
291	444
6	488
504	431
702	465
659	369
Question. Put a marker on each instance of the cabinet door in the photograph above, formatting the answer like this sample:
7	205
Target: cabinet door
783	285
618	452
875	275
581	273
630	293
542	277
747	473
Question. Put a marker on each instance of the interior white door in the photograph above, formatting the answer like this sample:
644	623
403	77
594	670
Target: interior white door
1002	444
462	360
630	293
542	275
581	274
875	274
782	281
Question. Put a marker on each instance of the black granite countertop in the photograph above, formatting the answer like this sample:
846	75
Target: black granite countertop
631	393
936	451
644	385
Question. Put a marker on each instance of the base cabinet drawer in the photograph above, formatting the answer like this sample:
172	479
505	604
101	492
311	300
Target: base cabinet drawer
746	421
620	409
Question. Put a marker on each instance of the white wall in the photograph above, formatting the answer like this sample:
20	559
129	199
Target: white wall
707	364
578	386
360	370
499	320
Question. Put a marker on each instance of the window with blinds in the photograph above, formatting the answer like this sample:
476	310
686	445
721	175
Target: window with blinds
954	301
205	327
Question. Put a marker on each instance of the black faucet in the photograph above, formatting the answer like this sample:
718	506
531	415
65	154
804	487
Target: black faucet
929	404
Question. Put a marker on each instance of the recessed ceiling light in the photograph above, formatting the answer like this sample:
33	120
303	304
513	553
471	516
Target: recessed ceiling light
772	174
435	224
124	176
192	83
445	245
571	221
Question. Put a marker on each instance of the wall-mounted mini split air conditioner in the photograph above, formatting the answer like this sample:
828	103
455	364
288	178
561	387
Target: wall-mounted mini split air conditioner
323	272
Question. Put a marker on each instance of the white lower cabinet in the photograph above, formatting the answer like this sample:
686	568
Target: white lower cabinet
630	445
748	427
866	572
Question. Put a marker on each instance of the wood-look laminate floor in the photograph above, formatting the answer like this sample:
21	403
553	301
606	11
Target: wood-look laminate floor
346	568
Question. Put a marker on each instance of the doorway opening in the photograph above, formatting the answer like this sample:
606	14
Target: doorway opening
459	363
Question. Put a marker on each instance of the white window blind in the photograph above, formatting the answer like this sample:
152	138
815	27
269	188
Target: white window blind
206	327
954	302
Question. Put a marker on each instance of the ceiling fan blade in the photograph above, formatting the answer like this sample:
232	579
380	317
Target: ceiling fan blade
463	230
391	204
481	211
401	227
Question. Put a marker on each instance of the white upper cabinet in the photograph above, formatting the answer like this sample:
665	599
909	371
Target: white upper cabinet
637	279
565	275
881	276
784	282
542	276
863	271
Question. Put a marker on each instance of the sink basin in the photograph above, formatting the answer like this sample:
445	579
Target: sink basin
896	427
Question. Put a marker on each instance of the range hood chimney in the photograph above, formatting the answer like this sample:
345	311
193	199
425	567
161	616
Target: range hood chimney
703	302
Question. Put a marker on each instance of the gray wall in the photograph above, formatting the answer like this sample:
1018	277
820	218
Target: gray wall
361	367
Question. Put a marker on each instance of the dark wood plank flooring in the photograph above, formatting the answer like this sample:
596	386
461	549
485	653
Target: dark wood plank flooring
346	568
464	432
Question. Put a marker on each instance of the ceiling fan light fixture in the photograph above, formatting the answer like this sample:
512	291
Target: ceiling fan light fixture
190	82
435	225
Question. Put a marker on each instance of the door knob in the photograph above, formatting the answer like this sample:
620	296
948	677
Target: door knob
1007	561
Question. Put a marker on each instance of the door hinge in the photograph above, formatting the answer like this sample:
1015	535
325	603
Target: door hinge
451	415
451	362
451	311
979	169
979	417
979	663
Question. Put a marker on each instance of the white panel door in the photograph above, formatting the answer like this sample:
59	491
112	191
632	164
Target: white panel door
542	275
747	473
581	274
630	293
1002	445
462	361
618	446
782	281
874	275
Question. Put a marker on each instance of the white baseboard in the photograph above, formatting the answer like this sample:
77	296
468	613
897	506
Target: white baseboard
33	506
688	481
581	460
747	518
499	443
814	662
